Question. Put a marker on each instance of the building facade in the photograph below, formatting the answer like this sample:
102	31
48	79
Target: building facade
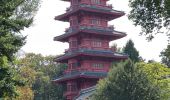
89	56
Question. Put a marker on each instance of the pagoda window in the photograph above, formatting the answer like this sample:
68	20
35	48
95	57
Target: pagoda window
73	44
71	87
73	22
95	21
74	65
75	2
95	1
96	44
98	65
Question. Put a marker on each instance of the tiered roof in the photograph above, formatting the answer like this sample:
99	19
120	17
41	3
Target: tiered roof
86	93
92	53
81	74
107	32
106	12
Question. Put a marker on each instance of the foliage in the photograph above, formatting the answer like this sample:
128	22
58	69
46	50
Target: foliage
45	71
151	15
126	82
27	75
25	93
158	74
115	48
15	15
131	51
8	80
166	56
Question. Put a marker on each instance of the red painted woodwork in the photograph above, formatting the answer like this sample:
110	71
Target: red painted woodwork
89	43
99	3
88	65
98	63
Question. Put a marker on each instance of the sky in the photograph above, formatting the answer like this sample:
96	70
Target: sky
40	35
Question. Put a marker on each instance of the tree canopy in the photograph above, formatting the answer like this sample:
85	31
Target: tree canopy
165	54
151	15
159	75
131	51
43	71
15	15
126	82
114	47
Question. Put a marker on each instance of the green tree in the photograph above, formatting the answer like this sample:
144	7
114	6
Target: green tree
158	74
166	56
46	71
115	48
131	51
8	80
151	15
126	82
15	15
27	75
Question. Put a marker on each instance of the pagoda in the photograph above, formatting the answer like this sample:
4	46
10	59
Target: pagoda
89	56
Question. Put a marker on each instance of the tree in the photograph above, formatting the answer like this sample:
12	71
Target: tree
166	56
158	74
8	80
131	51
25	93
15	15
27	75
126	82
46	70
151	15
115	48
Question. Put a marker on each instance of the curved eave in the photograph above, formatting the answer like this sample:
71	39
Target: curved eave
75	77
84	93
65	58
87	75
113	14
110	35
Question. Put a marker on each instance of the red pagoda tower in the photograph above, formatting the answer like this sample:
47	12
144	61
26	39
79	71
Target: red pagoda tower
89	56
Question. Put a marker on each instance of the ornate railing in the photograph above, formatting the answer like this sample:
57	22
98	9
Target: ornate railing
97	7
96	72
92	73
75	70
71	93
110	28
107	7
94	52
98	28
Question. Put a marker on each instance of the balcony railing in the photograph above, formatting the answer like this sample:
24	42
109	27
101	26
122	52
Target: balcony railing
94	27
71	93
93	52
110	28
98	5
85	73
107	7
75	70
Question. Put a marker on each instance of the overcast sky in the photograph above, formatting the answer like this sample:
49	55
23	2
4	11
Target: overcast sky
45	28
